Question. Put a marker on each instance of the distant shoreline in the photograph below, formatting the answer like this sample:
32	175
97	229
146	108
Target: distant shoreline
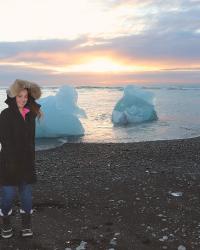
121	143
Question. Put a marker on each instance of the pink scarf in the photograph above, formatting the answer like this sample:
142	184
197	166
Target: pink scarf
24	112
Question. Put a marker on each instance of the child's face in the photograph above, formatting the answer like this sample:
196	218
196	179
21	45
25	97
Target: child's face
22	98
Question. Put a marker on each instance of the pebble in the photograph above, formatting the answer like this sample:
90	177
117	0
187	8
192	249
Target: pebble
181	247
163	238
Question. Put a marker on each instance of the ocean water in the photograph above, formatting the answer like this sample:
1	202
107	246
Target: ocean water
177	108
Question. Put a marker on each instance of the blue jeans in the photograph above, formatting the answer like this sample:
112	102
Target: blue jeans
8	195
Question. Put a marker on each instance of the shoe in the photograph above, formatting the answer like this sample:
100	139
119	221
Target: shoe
26	225
6	230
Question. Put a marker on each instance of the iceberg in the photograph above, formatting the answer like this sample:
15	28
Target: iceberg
61	114
136	106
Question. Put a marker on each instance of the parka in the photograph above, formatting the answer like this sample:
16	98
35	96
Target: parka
17	138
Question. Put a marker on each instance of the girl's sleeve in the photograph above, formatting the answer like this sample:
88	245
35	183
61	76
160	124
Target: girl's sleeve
3	127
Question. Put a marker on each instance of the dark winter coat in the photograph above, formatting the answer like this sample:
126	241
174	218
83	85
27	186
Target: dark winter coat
17	137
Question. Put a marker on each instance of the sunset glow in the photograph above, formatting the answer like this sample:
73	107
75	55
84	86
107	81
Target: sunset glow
101	65
98	65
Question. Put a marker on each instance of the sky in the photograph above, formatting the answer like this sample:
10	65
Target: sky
103	43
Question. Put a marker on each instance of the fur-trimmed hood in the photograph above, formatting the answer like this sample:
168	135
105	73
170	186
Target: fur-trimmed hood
18	85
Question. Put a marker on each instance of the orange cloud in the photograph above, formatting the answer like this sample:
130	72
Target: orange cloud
58	62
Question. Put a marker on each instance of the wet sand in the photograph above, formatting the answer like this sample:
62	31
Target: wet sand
130	196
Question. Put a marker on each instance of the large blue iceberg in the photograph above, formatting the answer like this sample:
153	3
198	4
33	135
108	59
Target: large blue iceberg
61	114
136	106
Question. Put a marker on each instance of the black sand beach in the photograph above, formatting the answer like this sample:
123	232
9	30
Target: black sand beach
131	196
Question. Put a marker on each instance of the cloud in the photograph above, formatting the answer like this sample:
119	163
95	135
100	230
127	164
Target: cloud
170	47
169	35
144	33
9	49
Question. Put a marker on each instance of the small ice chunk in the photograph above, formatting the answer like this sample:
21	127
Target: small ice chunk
181	247
82	245
117	234
176	194
113	241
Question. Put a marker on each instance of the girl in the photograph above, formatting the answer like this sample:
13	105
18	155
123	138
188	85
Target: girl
17	138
